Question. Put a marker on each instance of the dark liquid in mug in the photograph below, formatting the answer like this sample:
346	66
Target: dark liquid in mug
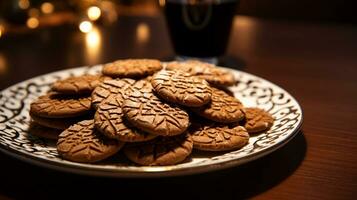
201	29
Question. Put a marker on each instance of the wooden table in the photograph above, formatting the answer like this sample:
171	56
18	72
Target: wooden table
315	62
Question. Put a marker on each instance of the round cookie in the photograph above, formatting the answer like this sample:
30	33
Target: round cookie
160	151
132	68
181	88
222	108
109	120
60	123
147	112
218	137
54	105
211	73
108	88
84	84
82	143
257	120
43	132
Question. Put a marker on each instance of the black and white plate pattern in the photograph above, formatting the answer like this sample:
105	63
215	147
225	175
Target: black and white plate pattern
251	90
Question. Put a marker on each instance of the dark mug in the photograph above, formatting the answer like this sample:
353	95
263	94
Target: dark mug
200	28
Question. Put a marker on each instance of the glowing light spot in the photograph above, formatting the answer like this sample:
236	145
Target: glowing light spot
24	4
2	30
47	7
162	3
142	32
32	22
93	13
85	26
93	45
3	65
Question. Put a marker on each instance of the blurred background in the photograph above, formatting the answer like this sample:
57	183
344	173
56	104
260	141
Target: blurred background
71	33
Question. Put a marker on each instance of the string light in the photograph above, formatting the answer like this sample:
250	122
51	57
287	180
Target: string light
24	4
85	26
93	13
47	7
32	22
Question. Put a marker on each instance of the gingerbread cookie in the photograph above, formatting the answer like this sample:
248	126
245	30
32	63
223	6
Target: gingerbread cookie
147	112
181	88
117	87
60	123
257	120
210	136
222	108
109	120
84	84
160	151
54	105
43	132
82	143
211	73
132	68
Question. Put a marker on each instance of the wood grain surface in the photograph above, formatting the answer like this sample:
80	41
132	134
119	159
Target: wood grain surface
316	63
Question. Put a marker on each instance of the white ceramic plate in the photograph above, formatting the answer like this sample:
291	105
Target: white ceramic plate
251	90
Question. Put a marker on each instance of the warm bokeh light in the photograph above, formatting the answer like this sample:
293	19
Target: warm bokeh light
47	7
32	22
162	3
3	65
85	26
93	13
142	32
2	30
93	45
24	4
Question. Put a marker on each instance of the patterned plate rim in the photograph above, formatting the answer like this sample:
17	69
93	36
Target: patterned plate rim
103	170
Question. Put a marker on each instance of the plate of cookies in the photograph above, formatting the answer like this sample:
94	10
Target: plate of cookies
145	118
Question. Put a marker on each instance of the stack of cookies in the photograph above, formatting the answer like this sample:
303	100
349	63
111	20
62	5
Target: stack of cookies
158	113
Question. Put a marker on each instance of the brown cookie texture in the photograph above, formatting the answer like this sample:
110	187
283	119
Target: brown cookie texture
59	123
117	87
257	120
83	143
43	132
54	105
160	151
211	136
84	84
132	68
211	73
109	120
181	88
222	108
147	112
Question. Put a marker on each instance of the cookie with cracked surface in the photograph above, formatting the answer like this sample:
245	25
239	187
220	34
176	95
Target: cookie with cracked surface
84	84
83	143
257	120
222	108
117	87
59	123
211	136
211	73
160	151
43	132
181	88
54	105
132	68
146	111
109	120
